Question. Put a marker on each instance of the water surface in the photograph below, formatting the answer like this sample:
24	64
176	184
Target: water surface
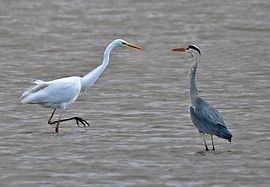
141	133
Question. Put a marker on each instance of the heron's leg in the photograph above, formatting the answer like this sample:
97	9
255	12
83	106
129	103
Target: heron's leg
204	141
212	138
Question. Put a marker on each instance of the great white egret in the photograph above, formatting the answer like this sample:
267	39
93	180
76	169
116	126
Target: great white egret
205	117
61	93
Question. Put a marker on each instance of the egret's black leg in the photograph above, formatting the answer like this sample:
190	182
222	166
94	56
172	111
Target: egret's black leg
77	119
213	143
52	122
57	127
55	122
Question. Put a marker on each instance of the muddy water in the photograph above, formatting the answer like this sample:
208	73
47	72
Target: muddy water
141	133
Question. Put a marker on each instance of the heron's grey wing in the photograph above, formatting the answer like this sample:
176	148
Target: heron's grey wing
207	113
208	120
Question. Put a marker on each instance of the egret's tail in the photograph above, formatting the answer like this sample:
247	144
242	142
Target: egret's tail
224	133
39	85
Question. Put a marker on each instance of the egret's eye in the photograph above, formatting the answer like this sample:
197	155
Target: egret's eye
124	43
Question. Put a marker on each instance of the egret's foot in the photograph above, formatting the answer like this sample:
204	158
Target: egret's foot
56	130
82	121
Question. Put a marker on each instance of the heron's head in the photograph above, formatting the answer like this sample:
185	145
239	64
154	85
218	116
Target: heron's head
123	43
193	49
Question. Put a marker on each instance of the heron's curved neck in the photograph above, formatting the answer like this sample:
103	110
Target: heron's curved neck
193	84
89	79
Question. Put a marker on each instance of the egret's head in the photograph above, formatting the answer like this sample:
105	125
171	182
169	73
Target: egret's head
123	43
193	49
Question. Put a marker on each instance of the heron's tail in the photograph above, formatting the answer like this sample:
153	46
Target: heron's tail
224	133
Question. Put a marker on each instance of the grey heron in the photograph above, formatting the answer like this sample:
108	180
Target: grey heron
63	92
204	116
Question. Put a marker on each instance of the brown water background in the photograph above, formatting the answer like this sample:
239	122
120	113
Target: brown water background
141	133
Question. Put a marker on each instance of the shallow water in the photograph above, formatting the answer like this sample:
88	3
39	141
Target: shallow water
141	133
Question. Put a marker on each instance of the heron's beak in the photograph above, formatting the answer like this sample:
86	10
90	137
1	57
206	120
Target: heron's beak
181	49
133	46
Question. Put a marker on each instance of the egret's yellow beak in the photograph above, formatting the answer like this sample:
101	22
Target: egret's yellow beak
133	46
181	49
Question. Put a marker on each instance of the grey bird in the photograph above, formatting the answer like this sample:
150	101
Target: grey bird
204	116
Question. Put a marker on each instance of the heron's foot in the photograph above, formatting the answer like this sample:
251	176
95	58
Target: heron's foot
205	145
82	121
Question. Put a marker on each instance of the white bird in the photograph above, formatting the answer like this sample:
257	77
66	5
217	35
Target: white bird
62	93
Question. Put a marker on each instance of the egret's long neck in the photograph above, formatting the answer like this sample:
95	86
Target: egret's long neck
193	85
89	79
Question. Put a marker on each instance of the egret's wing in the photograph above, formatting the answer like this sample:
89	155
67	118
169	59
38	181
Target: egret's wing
39	85
39	82
207	113
54	93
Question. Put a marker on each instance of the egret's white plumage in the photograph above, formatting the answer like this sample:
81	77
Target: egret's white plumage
61	93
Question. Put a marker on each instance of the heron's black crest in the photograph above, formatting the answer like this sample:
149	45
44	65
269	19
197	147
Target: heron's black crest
194	47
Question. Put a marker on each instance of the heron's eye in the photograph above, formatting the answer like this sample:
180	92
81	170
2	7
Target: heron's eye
124	43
